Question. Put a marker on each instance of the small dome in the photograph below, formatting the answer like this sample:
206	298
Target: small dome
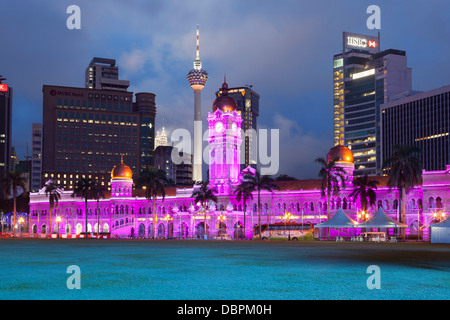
121	171
225	103
343	153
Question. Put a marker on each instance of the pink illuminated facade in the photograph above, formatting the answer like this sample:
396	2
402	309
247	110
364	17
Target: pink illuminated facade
127	213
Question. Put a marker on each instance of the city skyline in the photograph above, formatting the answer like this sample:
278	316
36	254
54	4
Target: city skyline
287	61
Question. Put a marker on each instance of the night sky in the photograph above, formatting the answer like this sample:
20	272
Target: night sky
283	48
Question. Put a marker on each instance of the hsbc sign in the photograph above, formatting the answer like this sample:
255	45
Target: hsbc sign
361	42
356	41
3	87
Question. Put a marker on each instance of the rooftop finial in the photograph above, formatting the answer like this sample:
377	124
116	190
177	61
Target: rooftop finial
121	158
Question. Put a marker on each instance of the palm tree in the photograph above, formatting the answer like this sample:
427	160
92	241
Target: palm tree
10	183
259	183
203	195
98	191
365	190
153	181
405	171
331	175
244	191
83	189
53	192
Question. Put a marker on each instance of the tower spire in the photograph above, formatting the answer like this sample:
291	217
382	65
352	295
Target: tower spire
197	62
197	58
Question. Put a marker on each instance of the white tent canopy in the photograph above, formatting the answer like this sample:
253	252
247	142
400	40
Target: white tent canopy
381	220
339	220
440	232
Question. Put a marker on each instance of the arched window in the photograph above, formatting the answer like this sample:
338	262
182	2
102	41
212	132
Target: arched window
344	204
380	204
395	204
419	204
431	203
311	205
439	203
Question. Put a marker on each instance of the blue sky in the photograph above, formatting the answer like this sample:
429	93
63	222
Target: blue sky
283	48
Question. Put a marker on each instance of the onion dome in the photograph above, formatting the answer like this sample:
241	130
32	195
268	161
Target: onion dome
121	171
224	102
341	152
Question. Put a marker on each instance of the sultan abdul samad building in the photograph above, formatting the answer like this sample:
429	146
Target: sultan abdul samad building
127	213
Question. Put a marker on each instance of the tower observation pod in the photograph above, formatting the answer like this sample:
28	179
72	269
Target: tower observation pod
197	79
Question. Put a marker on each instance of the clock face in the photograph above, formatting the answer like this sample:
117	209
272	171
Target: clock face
219	126
234	127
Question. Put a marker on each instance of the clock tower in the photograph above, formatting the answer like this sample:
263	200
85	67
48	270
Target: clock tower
224	143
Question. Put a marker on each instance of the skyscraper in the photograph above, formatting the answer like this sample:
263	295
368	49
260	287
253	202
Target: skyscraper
145	106
247	102
86	131
422	120
36	156
197	79
6	94
161	138
364	78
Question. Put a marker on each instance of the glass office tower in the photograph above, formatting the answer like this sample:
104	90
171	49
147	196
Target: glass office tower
364	78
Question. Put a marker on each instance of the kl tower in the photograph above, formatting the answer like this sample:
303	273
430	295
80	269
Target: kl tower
197	78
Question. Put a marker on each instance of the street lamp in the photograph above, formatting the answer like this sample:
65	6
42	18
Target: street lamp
221	218
167	218
438	216
20	224
58	221
1	221
288	217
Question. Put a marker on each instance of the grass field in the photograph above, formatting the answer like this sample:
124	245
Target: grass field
196	269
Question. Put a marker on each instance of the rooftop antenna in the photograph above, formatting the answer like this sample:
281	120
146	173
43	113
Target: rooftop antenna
27	156
198	45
